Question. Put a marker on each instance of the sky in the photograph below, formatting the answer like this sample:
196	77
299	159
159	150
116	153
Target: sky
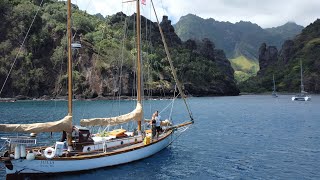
266	14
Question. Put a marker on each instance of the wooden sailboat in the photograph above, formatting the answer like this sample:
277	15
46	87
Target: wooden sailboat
274	92
303	95
81	151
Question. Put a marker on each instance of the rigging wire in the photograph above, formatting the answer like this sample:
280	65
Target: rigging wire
84	13
134	90
171	65
19	51
174	94
169	105
148	39
183	129
125	33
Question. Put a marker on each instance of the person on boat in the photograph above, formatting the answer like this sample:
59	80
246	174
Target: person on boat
158	123
153	125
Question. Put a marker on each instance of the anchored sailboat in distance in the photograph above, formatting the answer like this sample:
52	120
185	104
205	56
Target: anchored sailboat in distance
81	150
274	92
303	96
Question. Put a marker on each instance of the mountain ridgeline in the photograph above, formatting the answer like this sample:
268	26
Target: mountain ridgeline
105	64
241	38
285	64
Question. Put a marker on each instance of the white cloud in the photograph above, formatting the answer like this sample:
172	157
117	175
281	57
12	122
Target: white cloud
264	13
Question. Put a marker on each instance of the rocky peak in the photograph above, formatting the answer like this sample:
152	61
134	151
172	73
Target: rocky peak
286	51
267	56
190	44
169	31
207	48
117	18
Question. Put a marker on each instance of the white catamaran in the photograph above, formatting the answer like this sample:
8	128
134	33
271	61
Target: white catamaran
81	150
303	95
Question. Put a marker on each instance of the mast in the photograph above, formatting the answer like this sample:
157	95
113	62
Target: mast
139	79
302	87
274	84
69	138
69	61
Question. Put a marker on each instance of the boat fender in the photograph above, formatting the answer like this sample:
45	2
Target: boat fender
23	151
30	156
49	152
17	152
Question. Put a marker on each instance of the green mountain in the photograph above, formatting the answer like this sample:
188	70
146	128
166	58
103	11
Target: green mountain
285	64
239	40
104	66
287	31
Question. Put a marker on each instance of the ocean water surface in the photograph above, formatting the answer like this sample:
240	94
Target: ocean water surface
242	137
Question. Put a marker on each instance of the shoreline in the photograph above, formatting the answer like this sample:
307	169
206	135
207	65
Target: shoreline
65	98
269	93
62	98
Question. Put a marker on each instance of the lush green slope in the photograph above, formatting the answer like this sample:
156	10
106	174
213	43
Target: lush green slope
104	65
286	67
244	68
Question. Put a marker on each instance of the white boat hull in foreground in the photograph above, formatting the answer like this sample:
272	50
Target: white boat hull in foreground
61	165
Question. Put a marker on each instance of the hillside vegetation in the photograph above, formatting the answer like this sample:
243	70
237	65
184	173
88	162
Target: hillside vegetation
104	66
244	68
285	64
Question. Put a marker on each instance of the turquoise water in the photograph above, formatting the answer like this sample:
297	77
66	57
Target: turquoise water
243	137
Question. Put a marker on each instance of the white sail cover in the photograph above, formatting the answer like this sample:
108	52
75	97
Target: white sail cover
64	124
111	121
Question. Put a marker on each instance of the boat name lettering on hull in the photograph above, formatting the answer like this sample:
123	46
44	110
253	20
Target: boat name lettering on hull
46	163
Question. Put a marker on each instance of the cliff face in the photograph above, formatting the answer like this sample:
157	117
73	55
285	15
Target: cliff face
267	56
106	82
168	29
222	82
287	51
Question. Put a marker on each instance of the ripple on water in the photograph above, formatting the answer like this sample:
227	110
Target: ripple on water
243	137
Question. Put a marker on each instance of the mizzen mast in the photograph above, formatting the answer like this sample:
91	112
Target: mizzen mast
69	138
139	76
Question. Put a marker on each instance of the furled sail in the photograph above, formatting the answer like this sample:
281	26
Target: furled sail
114	120
64	124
